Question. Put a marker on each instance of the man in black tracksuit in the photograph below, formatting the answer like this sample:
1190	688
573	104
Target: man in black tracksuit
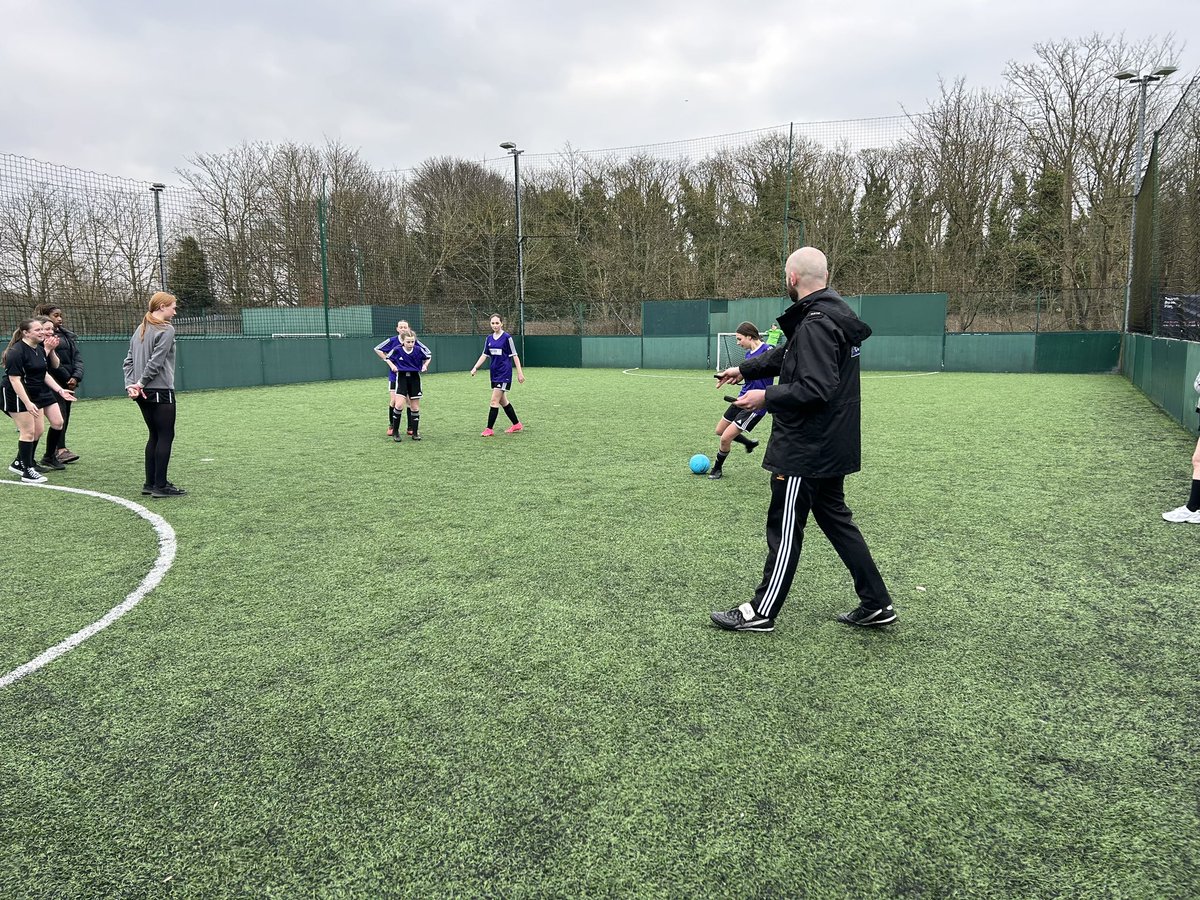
814	444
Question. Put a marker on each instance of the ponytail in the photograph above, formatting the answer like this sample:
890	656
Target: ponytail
17	336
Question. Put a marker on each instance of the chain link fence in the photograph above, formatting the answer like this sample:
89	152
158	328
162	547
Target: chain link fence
1164	294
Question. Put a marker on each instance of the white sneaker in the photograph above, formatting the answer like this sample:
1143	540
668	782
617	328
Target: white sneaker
1183	514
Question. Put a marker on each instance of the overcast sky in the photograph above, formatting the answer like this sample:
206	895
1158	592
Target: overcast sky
135	89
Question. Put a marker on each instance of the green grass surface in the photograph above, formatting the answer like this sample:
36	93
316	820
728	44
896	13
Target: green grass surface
484	667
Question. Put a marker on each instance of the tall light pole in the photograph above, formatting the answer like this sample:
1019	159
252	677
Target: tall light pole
515	153
156	189
1143	80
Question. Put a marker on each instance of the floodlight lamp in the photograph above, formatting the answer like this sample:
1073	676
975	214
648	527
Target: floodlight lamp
1164	71
1125	75
508	145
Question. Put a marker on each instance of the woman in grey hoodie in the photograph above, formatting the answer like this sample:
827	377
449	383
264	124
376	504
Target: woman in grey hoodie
150	381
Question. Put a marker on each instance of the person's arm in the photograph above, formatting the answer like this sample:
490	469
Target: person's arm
381	353
816	343
517	365
59	389
76	368
428	356
478	362
765	365
18	387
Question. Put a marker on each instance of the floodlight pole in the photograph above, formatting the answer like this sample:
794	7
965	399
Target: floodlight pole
156	189
1143	80
515	153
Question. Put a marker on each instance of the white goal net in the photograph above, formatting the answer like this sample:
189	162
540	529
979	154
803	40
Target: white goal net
728	352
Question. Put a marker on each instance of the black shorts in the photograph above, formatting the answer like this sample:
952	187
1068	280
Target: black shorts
408	384
158	395
11	403
744	419
505	386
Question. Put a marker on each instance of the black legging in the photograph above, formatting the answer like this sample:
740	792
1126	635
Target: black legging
160	420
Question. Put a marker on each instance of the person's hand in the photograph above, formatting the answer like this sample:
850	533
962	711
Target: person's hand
472	373
751	400
134	391
393	368
425	368
732	375
520	377
72	383
68	395
51	342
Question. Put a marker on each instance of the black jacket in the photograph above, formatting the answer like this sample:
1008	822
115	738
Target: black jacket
815	404
70	363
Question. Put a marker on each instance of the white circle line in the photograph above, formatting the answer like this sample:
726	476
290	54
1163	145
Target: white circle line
166	556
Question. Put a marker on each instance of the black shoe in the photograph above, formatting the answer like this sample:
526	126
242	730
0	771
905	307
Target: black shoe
716	473
147	489
869	618
38	467
742	618
416	437
398	437
51	463
16	467
167	490
750	444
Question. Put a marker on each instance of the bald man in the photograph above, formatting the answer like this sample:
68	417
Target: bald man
815	443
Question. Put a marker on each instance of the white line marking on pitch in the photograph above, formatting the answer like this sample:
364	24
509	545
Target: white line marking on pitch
166	556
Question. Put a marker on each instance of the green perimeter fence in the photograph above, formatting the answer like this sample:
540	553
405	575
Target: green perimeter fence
288	346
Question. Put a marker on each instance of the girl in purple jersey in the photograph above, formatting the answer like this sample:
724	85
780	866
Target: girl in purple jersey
736	424
500	348
409	360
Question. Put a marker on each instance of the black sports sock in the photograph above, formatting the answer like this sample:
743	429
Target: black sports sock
414	420
25	453
1194	501
408	413
54	440
511	413
722	455
747	442
492	413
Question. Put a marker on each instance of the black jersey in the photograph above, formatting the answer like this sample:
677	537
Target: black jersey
30	365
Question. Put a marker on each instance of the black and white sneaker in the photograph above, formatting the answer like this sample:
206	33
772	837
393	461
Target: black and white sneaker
16	468
742	618
33	476
869	618
415	437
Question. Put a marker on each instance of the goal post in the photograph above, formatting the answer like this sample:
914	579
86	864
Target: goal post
728	352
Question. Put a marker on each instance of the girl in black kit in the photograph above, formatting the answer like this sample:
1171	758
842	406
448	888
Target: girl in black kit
150	380
27	396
